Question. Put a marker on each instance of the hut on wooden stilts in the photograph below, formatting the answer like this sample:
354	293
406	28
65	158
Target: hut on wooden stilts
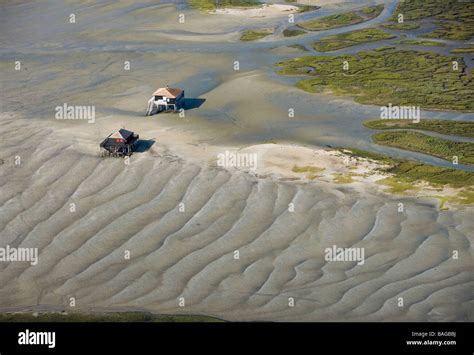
119	144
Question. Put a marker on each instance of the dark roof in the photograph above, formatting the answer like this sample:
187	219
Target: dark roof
121	134
121	137
125	134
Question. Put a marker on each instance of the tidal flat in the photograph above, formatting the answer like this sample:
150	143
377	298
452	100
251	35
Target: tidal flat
84	213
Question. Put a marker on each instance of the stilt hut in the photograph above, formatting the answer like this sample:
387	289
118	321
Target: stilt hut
166	99
120	143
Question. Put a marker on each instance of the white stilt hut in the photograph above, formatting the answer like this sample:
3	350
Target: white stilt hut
165	99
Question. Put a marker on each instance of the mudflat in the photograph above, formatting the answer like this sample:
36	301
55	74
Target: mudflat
170	231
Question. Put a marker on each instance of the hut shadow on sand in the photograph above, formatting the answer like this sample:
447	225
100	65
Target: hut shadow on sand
190	104
144	145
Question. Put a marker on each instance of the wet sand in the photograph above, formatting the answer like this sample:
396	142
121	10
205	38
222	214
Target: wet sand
136	207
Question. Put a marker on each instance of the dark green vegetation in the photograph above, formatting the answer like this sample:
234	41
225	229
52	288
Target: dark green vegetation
417	9
306	169
293	32
453	128
298	46
420	42
311	171
405	26
384	159
349	39
307	8
455	18
212	4
463	50
408	171
344	19
399	77
419	142
253	35
453	30
384	48
103	317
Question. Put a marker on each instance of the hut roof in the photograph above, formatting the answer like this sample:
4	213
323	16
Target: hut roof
121	134
168	92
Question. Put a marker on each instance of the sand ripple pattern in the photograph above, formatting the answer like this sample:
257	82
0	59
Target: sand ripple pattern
190	254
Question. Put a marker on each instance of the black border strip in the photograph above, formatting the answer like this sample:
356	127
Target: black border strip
317	338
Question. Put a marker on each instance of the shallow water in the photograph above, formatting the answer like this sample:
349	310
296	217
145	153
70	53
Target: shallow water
135	207
41	35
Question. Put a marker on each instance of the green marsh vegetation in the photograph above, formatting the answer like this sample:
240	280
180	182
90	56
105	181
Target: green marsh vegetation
298	46
293	32
410	172
344	19
208	5
405	26
463	50
253	35
349	39
422	143
312	172
400	77
463	198
344	178
453	128
397	185
418	9
384	48
307	8
420	42
307	169
455	18
453	31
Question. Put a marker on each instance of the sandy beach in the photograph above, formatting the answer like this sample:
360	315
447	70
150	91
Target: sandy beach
160	232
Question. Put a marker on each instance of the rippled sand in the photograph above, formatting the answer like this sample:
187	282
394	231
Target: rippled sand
190	254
